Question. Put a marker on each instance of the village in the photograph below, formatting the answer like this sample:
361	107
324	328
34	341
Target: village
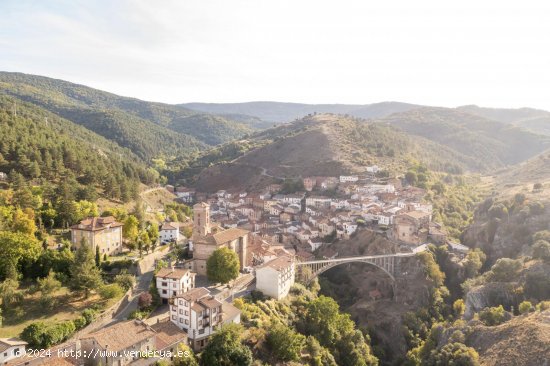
269	231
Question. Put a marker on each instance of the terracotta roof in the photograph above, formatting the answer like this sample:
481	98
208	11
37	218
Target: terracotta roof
167	334
229	235
194	294
210	302
229	312
97	223
417	214
169	226
122	335
278	264
175	273
6	343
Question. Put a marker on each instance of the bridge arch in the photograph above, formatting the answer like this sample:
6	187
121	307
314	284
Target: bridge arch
330	266
387	263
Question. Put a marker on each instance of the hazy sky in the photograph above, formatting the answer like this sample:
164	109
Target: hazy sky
449	53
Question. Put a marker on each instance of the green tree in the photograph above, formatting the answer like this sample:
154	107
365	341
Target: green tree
285	343
85	275
505	270
110	291
492	316
186	358
16	248
541	250
473	263
453	354
458	308
225	348
10	293
125	280
130	230
48	286
222	266
97	257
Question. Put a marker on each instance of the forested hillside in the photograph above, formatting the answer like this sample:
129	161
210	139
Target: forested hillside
322	144
279	112
44	147
148	129
493	144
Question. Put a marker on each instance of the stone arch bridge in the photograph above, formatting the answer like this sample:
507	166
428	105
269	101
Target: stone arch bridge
389	263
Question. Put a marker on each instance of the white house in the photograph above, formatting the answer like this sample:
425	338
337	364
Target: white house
348	178
3	176
275	277
173	282
169	232
11	348
372	169
200	314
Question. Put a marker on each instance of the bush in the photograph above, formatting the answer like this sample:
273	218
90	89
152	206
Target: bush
110	291
79	322
89	315
125	280
543	305
541	250
285	343
492	316
38	335
525	307
145	300
505	270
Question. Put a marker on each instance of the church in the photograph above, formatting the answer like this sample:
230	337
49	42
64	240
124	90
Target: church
208	237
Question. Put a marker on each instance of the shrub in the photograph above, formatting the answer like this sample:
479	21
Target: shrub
525	307
89	315
541	250
492	316
145	300
79	322
285	343
125	280
505	270
543	305
110	291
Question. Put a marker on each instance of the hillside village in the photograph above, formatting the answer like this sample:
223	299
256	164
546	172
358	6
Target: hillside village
267	230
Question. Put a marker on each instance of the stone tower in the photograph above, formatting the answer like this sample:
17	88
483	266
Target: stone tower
201	218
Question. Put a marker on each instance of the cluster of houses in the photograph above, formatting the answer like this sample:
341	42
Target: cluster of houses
328	208
268	231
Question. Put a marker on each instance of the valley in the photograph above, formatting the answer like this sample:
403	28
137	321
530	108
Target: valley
273	183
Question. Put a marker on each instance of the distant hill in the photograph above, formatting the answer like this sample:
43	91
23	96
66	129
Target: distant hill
149	129
535	120
278	112
494	144
45	147
323	144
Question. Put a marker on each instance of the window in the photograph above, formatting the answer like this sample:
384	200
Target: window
164	292
181	311
186	312
173	317
186	321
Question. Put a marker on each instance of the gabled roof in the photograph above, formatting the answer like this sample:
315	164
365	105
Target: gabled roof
6	343
175	273
122	335
229	235
97	223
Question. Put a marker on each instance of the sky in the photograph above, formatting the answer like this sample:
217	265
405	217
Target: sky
432	52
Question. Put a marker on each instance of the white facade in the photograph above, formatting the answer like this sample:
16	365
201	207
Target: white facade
199	314
173	282
348	178
275	278
11	348
169	233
